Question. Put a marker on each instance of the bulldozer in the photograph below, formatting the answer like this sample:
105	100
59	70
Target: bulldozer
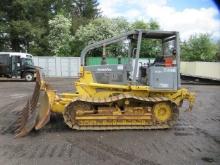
128	95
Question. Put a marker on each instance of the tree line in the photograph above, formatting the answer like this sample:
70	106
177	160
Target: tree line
24	24
65	27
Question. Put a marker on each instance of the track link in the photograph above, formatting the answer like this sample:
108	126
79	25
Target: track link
142	121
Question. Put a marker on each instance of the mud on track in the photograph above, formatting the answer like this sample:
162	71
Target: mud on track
194	140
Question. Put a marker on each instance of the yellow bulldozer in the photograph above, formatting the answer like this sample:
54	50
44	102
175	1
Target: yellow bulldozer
126	95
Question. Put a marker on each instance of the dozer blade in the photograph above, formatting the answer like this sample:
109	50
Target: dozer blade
43	110
36	113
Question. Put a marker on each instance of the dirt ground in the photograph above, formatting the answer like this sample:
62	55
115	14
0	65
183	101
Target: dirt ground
194	140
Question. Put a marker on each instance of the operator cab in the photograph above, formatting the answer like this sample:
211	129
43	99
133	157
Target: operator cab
161	73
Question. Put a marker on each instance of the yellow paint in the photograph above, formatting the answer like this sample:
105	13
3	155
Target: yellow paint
162	112
95	122
86	87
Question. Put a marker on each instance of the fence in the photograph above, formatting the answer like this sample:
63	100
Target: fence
69	66
58	66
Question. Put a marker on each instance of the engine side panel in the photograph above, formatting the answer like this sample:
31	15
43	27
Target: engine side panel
162	77
109	74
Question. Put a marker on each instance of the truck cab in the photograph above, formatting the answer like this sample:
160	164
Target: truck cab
16	64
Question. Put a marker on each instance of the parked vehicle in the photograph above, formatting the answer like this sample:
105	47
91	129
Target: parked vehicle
110	96
15	64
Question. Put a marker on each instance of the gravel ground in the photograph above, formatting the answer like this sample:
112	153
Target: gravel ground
194	140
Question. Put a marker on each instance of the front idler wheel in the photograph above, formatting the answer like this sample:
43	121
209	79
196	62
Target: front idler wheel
162	112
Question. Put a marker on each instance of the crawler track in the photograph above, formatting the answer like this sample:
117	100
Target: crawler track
84	114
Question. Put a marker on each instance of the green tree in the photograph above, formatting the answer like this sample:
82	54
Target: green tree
153	25
138	24
149	47
60	35
218	51
99	29
102	28
24	23
199	48
80	11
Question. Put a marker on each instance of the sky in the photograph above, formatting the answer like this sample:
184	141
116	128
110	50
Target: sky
186	16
